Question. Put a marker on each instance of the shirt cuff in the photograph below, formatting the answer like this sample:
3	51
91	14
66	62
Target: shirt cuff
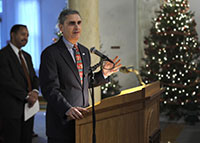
67	113
36	91
104	75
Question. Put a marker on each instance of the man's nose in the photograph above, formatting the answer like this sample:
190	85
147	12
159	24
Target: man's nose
76	25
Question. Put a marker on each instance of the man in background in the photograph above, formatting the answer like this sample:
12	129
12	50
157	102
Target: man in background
18	85
65	79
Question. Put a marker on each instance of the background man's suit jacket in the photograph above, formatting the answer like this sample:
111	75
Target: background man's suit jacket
61	86
13	83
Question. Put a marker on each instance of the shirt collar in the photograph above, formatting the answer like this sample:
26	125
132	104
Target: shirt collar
68	44
15	49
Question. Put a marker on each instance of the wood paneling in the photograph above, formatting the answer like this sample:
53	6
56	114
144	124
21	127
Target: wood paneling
130	117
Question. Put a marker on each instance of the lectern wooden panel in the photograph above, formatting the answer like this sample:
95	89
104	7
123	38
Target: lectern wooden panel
130	117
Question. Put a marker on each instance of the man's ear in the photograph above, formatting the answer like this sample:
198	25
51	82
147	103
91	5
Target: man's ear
12	35
60	27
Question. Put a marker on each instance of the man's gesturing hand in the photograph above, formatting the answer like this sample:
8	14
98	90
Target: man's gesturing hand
108	68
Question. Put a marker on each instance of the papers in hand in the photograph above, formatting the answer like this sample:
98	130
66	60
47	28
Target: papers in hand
29	112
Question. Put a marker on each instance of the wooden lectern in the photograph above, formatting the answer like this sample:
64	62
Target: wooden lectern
130	117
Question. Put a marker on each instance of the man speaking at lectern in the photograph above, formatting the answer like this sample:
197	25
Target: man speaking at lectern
65	80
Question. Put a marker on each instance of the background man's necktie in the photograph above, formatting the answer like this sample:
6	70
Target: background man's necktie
25	71
79	63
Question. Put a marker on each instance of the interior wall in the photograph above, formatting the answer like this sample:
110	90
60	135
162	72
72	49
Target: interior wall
50	10
194	6
124	24
8	19
146	13
118	28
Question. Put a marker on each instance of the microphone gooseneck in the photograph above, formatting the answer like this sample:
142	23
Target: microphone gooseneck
126	69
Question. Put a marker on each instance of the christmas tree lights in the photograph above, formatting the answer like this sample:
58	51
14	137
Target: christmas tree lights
171	56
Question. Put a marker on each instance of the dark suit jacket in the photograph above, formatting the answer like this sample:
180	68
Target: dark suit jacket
61	86
13	83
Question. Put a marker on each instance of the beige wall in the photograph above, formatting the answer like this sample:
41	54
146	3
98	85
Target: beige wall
124	23
194	6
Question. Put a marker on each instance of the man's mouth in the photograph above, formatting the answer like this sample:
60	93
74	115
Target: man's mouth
76	32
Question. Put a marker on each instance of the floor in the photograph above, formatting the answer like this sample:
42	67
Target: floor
39	128
171	132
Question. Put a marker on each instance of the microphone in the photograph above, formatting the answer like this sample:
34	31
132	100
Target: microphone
126	69
104	57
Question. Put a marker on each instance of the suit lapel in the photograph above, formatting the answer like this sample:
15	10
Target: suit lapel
16	61
68	59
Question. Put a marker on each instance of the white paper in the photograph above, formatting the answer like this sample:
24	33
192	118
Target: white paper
29	112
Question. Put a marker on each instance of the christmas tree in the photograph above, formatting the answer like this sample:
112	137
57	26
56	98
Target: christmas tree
58	34
171	56
111	88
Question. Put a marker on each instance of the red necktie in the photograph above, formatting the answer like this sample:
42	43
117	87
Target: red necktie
25	71
79	63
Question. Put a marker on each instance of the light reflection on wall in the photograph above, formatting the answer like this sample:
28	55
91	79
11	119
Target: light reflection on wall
28	13
1	6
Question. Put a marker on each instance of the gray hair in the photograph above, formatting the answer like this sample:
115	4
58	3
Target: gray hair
62	17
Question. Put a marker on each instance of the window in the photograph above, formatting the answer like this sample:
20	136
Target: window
1	10
1	6
28	13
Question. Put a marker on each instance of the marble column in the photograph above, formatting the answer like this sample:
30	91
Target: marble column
89	11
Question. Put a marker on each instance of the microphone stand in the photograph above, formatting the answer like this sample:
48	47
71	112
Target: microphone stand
92	96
